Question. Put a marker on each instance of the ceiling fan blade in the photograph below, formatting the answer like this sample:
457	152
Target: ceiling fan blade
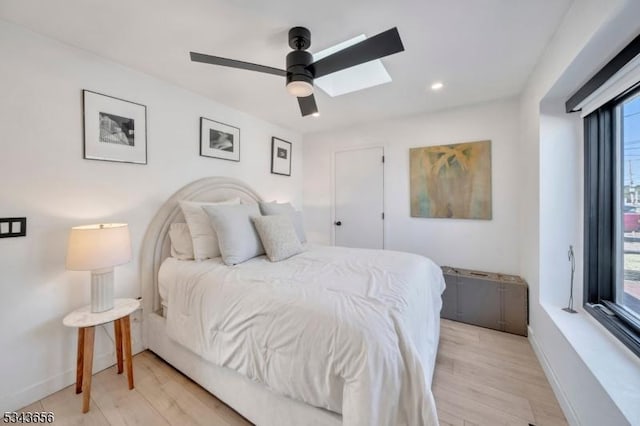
225	62
308	105
381	45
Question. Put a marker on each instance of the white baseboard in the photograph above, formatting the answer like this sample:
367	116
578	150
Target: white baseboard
60	381
566	406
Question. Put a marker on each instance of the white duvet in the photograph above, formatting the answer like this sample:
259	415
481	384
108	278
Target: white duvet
353	331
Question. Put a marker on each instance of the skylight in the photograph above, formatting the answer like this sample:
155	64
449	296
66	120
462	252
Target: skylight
352	79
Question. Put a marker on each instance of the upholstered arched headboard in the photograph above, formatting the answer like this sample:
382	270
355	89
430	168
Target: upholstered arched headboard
156	246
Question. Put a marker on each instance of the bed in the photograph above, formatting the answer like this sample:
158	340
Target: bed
330	336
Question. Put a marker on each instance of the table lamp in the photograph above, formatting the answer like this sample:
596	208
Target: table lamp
98	248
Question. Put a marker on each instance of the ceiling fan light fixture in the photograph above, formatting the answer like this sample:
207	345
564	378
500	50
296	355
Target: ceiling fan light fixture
299	78
301	70
300	89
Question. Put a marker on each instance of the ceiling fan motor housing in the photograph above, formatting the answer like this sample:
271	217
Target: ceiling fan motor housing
299	58
297	62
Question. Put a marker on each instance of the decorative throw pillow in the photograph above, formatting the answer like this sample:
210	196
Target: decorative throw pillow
205	241
274	208
278	236
181	244
237	237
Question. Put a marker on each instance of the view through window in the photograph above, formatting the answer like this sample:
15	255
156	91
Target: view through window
628	288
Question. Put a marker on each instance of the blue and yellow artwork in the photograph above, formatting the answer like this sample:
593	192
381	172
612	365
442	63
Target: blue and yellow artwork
451	181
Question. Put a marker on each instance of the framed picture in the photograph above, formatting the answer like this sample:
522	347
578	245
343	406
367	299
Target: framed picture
114	129
451	181
219	140
280	157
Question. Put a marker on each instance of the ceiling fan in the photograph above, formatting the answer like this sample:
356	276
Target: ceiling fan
301	70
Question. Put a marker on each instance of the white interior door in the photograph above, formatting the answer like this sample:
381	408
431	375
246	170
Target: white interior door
359	198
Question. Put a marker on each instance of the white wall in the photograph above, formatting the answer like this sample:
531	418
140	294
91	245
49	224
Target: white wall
486	245
561	187
43	177
595	378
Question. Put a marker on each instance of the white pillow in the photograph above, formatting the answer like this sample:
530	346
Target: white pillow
181	244
274	208
278	236
237	237
205	241
298	225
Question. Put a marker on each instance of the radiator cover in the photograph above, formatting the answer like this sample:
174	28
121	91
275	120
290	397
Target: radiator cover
486	299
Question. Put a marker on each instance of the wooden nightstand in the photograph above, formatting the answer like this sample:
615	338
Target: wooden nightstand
86	321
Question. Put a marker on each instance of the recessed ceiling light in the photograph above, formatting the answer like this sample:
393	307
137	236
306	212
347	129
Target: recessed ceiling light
437	86
315	114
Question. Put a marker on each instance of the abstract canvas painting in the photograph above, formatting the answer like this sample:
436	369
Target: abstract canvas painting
451	181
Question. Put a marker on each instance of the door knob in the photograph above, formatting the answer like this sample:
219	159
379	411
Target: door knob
338	223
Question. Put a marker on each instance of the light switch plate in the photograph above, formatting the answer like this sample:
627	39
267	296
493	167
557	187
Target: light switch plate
13	227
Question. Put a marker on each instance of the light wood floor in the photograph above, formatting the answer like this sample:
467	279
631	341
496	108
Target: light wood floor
482	377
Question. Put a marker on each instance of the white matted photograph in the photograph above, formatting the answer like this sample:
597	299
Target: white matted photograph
114	129
280	157
219	140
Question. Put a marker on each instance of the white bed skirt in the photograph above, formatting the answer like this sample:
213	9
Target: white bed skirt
252	400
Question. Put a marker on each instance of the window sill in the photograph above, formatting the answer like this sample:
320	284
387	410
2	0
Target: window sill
614	366
622	331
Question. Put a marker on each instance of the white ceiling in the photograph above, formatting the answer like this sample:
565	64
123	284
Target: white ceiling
480	49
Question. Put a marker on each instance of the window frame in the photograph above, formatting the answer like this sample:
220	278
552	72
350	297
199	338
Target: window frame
603	216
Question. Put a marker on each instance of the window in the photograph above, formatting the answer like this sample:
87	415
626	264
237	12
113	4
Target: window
612	217
610	105
628	279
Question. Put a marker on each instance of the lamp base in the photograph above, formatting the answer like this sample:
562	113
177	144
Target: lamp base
101	290
571	311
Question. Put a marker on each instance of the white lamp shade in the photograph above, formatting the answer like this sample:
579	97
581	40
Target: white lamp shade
100	246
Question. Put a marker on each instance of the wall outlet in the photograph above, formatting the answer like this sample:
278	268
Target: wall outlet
136	316
136	330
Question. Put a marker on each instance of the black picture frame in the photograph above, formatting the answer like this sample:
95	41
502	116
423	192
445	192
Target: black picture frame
210	129
126	147
281	151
